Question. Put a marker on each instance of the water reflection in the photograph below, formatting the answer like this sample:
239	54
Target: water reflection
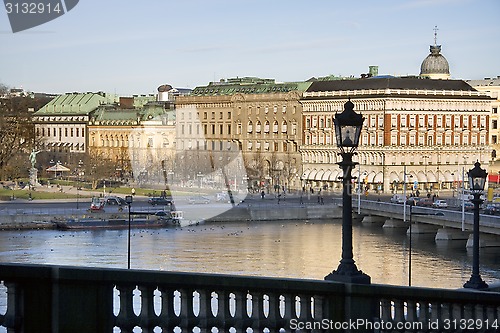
280	249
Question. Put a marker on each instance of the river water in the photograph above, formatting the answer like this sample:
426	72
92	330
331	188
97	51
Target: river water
278	249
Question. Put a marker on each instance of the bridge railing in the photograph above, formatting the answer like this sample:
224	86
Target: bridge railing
60	299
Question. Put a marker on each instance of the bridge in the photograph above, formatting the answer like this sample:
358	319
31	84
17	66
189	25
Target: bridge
446	224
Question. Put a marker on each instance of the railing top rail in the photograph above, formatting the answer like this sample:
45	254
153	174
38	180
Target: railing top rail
164	278
112	276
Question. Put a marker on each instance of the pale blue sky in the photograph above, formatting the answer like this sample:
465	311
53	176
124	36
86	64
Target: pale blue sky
132	47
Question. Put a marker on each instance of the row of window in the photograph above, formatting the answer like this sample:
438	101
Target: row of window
456	121
205	115
266	128
377	139
372	121
60	132
124	143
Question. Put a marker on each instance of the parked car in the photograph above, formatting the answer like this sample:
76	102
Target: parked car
155	201
467	206
440	204
398	198
97	204
115	201
412	201
492	209
198	200
425	202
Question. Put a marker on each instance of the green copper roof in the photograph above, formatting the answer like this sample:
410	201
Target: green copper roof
259	88
75	103
113	116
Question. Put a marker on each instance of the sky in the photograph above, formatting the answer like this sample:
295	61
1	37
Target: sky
132	47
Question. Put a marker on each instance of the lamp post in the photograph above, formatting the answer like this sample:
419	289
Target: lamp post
128	200
348	126
477	179
80	164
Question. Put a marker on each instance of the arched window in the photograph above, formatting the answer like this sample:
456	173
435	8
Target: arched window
266	126
250	127
275	127
283	126
257	127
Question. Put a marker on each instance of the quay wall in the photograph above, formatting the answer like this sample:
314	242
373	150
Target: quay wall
271	212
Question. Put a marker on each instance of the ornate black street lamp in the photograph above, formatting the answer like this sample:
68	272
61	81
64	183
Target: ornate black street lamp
348	126
477	179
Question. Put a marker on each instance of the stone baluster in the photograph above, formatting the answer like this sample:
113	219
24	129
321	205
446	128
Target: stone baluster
318	310
399	311
385	310
305	308
446	312
13	317
456	311
205	310
168	318
468	311
424	311
126	319
273	315
188	318
289	311
257	313
411	311
147	317
492	312
435	311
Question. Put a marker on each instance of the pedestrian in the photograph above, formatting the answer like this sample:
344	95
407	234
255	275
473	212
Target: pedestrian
133	191
262	194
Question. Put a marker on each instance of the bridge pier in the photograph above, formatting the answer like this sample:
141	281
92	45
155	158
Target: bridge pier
451	234
394	223
420	229
373	219
484	241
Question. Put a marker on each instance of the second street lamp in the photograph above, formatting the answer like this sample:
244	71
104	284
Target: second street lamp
477	180
348	126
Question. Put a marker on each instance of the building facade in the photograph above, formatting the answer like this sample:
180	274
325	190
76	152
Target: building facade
259	118
421	132
61	123
139	141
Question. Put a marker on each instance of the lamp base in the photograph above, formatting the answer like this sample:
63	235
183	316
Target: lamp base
349	277
475	282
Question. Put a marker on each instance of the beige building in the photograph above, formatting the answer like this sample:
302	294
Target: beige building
433	129
140	141
257	117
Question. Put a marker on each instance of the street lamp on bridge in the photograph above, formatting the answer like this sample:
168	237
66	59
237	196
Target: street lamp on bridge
477	179
348	126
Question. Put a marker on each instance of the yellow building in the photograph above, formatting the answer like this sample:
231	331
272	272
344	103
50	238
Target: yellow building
257	117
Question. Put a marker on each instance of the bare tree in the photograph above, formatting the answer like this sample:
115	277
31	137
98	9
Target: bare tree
17	135
98	168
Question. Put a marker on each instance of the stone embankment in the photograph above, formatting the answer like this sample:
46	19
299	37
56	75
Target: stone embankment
246	212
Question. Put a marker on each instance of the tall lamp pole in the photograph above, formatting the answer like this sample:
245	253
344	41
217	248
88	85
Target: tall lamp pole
348	126
477	180
128	200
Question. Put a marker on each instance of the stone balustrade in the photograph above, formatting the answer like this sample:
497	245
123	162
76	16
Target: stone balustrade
56	299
